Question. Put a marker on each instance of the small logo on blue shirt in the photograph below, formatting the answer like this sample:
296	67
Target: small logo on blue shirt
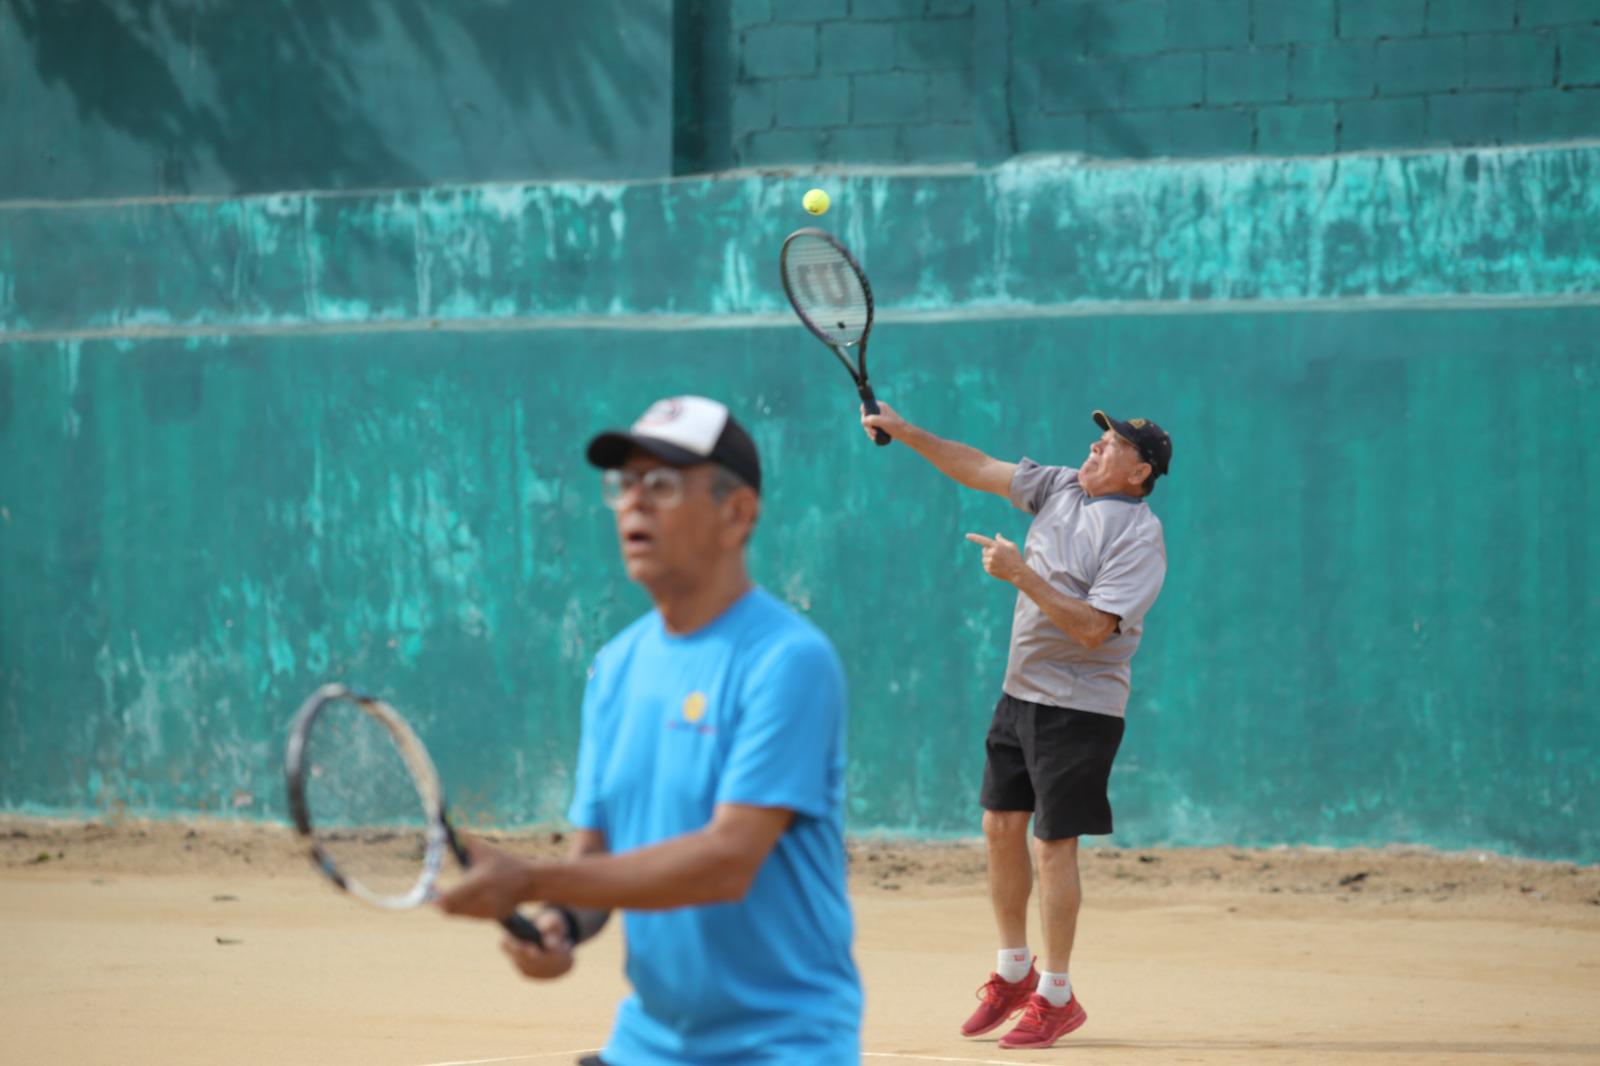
694	706
694	709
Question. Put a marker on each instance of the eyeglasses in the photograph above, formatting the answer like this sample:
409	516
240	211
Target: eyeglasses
663	486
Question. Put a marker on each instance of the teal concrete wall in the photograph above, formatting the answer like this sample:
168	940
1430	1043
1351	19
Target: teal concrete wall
250	445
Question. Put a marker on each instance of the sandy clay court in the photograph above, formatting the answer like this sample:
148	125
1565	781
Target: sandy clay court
146	944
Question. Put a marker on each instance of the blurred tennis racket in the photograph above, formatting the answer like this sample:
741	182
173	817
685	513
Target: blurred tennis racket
829	291
366	798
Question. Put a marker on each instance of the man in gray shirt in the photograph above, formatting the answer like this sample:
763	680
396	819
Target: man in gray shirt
1091	566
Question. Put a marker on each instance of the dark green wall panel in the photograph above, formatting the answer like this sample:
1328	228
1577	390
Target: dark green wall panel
105	99
138	98
1378	626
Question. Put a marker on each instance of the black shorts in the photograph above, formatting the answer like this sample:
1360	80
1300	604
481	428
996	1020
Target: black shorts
1053	761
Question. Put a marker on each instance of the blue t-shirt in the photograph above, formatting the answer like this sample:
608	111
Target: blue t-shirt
749	709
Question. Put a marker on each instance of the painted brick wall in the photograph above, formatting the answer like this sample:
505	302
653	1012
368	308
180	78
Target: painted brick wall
169	97
897	81
853	81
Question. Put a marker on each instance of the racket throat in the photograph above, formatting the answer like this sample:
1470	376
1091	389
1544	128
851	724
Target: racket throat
851	366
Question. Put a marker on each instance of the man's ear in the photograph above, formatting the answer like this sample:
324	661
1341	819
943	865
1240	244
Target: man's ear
743	508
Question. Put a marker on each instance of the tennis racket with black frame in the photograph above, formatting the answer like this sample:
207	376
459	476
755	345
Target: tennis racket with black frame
365	797
829	291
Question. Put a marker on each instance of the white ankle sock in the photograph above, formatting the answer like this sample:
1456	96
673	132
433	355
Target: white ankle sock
1056	987
1013	964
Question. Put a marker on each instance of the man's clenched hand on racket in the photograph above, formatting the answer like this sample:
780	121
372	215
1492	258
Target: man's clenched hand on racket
493	885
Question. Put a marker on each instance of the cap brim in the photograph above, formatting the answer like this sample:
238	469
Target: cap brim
610	450
1105	421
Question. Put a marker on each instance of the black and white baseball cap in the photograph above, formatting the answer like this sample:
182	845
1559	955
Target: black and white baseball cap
683	431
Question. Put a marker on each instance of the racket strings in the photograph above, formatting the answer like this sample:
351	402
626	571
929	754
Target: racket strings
369	791
826	290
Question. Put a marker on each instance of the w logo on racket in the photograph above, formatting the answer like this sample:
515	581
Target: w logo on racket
828	283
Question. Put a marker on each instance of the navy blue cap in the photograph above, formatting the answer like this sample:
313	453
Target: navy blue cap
1147	438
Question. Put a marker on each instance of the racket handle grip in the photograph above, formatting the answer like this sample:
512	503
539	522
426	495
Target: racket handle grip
514	923
870	402
522	929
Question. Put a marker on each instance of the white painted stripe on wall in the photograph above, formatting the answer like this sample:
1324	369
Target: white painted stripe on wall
782	319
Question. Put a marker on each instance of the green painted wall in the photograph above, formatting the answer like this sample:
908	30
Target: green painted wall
248	445
1379	624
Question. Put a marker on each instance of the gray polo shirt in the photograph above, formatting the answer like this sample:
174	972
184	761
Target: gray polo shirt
1107	550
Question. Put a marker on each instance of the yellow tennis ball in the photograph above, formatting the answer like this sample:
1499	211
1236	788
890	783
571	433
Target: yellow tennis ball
816	201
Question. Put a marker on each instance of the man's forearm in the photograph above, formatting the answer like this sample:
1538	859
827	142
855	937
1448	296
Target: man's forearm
1085	624
959	462
681	872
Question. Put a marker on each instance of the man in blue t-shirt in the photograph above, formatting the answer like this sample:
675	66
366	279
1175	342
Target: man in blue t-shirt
709	798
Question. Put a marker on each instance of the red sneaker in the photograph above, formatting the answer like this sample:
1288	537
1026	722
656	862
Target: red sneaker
1042	1024
998	1001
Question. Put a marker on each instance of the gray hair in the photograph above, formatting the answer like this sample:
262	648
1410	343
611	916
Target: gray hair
724	482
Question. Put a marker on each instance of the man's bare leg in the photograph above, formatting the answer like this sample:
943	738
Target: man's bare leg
1054	1010
1060	896
1010	873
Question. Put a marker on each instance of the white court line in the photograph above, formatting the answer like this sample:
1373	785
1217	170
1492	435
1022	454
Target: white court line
516	1058
593	1050
936	1058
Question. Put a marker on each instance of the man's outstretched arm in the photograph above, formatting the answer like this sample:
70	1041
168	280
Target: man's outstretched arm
959	462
